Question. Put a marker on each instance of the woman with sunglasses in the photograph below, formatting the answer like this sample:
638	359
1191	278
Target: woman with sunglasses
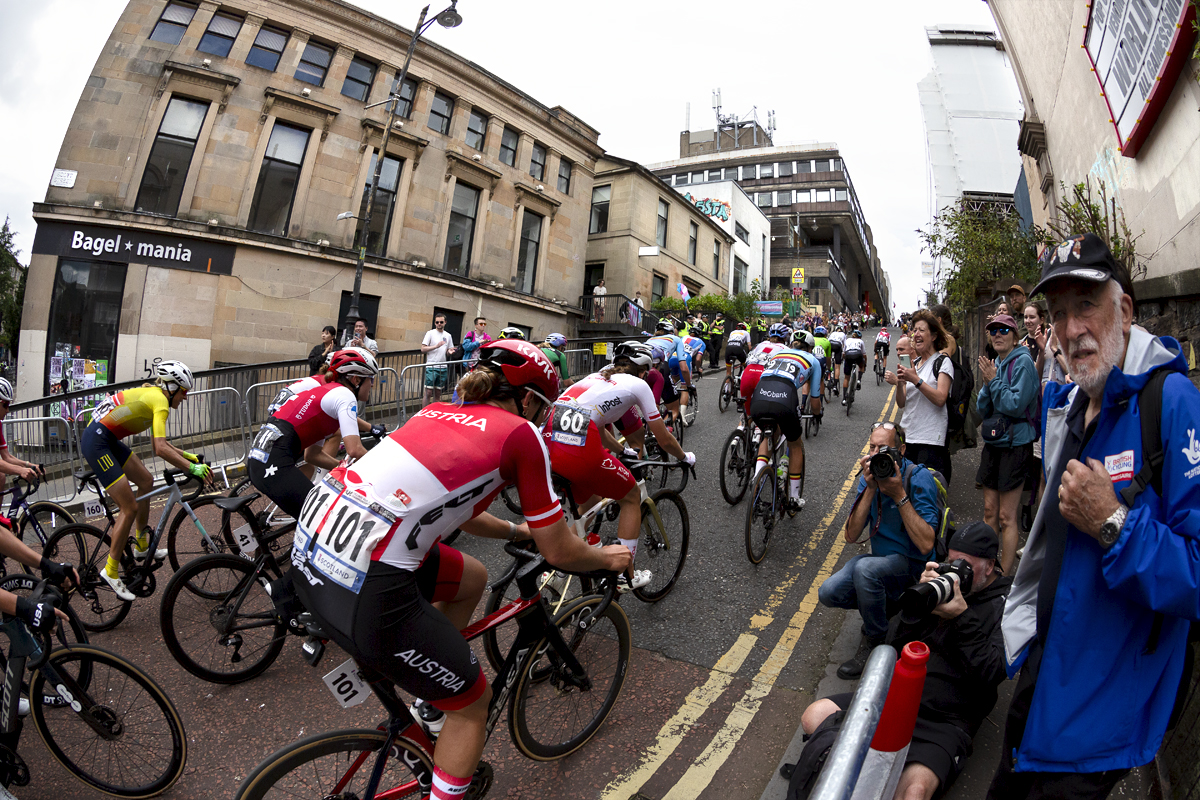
1008	404
922	391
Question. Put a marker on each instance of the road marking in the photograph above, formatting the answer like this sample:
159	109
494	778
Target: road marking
670	736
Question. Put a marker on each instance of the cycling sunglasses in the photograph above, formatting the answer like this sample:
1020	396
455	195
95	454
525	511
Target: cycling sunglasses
1003	331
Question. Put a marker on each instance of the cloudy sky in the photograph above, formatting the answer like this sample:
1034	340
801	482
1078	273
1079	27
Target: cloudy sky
842	72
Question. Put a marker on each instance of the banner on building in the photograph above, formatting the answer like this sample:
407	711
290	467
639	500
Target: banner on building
769	308
133	246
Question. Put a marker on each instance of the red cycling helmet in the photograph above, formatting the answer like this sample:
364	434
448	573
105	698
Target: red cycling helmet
522	364
354	361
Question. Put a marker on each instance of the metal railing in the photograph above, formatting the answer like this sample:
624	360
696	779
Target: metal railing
616	309
849	751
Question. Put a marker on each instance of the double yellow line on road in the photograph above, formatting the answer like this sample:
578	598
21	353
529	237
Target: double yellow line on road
700	774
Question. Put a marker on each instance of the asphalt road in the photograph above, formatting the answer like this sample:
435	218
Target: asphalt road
721	670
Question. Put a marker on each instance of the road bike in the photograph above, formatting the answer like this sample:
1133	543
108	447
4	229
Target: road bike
729	389
880	368
87	546
693	407
768	502
560	679
33	523
851	388
112	727
737	459
812	422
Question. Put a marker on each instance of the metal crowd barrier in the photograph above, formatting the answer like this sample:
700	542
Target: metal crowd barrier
51	442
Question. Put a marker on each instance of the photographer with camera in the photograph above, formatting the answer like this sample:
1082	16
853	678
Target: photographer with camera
898	501
955	610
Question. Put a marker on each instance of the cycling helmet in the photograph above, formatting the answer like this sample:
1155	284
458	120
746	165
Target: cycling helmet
798	336
778	331
856	334
741	326
175	372
637	352
657	353
512	333
822	330
809	341
664	326
556	340
522	365
354	361
6	391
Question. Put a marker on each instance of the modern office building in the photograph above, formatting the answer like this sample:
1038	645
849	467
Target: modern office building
193	211
817	223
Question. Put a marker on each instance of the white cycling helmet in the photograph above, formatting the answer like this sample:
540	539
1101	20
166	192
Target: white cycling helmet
175	372
636	352
6	391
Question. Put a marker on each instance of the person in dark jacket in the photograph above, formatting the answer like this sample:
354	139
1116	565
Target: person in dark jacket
317	356
966	665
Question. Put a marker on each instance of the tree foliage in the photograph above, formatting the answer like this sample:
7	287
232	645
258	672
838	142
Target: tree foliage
1095	212
12	290
738	306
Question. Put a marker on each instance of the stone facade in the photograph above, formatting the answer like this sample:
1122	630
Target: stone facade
282	289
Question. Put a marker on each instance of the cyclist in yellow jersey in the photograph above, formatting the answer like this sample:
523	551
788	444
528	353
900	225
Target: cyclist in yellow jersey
121	415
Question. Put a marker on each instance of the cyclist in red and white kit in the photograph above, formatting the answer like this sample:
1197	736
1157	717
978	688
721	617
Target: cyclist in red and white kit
387	589
776	340
582	448
298	428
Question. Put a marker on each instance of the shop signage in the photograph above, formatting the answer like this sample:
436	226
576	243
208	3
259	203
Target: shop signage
1137	51
710	207
133	246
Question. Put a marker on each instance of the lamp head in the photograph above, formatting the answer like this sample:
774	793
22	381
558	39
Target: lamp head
346	215
450	18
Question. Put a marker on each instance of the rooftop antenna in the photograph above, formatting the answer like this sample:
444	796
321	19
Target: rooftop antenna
771	127
716	104
687	117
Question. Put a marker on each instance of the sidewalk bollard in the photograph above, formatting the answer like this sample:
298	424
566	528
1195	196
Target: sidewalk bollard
885	760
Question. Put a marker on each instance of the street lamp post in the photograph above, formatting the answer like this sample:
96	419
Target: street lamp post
449	18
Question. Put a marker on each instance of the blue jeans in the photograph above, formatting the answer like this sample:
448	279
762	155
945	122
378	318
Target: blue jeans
867	583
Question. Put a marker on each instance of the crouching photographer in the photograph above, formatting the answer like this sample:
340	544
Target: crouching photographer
955	609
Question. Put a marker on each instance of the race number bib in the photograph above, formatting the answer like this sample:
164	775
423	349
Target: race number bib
263	442
784	369
338	530
284	395
570	425
104	407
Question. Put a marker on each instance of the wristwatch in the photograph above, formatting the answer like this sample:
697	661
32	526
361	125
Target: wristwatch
1110	529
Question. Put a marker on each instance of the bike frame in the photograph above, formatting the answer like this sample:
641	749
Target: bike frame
174	497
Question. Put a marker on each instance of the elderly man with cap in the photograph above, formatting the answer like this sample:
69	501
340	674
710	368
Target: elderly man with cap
1097	619
966	665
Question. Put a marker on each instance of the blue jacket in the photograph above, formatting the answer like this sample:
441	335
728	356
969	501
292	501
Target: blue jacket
891	537
1100	701
1013	396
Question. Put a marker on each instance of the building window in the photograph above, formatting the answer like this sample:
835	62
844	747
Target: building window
741	233
462	228
359	77
314	64
85	310
803	196
173	22
681	180
600	198
822	195
658	287
564	176
222	30
277	178
716	259
408	91
508	146
785	169
693	235
267	48
748	172
822	165
697	177
739	275
763	199
714	174
835	165
170	156
840	195
531	237
764	254
476	129
783	197
385	204
661	235
803	166
537	162
440	113
766	170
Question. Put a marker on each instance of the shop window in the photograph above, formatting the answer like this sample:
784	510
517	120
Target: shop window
85	315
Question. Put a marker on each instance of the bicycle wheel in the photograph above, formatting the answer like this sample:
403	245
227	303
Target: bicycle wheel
850	390
726	394
735	472
185	540
87	548
143	748
557	587
219	622
38	523
73	630
761	515
656	477
662	551
548	715
339	764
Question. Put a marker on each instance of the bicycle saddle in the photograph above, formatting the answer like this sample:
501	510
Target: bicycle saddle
234	503
82	475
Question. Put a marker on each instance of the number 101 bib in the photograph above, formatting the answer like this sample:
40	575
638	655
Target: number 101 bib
339	529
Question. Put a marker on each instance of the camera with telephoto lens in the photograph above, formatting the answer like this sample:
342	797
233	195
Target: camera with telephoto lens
918	602
885	463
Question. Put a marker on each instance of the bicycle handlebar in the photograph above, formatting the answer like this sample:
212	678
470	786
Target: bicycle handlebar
170	476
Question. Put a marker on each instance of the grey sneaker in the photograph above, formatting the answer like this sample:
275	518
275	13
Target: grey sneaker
853	668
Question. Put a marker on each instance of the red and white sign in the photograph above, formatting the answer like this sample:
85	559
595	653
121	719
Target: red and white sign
1137	50
1120	466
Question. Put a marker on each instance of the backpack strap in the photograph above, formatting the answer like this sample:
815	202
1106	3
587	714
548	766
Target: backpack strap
1150	409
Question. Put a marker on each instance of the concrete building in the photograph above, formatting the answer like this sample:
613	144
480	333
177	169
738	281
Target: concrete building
1110	94
644	237
192	211
817	223
728	205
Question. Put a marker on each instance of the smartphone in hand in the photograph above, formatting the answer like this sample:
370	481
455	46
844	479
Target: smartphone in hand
906	362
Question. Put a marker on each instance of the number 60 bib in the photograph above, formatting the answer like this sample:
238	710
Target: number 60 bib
339	538
570	425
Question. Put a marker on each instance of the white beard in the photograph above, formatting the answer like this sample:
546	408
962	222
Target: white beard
1108	353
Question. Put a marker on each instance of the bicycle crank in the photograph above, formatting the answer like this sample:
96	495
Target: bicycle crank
143	585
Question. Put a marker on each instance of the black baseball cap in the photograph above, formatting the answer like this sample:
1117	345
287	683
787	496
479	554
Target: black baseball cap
1083	257
976	539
